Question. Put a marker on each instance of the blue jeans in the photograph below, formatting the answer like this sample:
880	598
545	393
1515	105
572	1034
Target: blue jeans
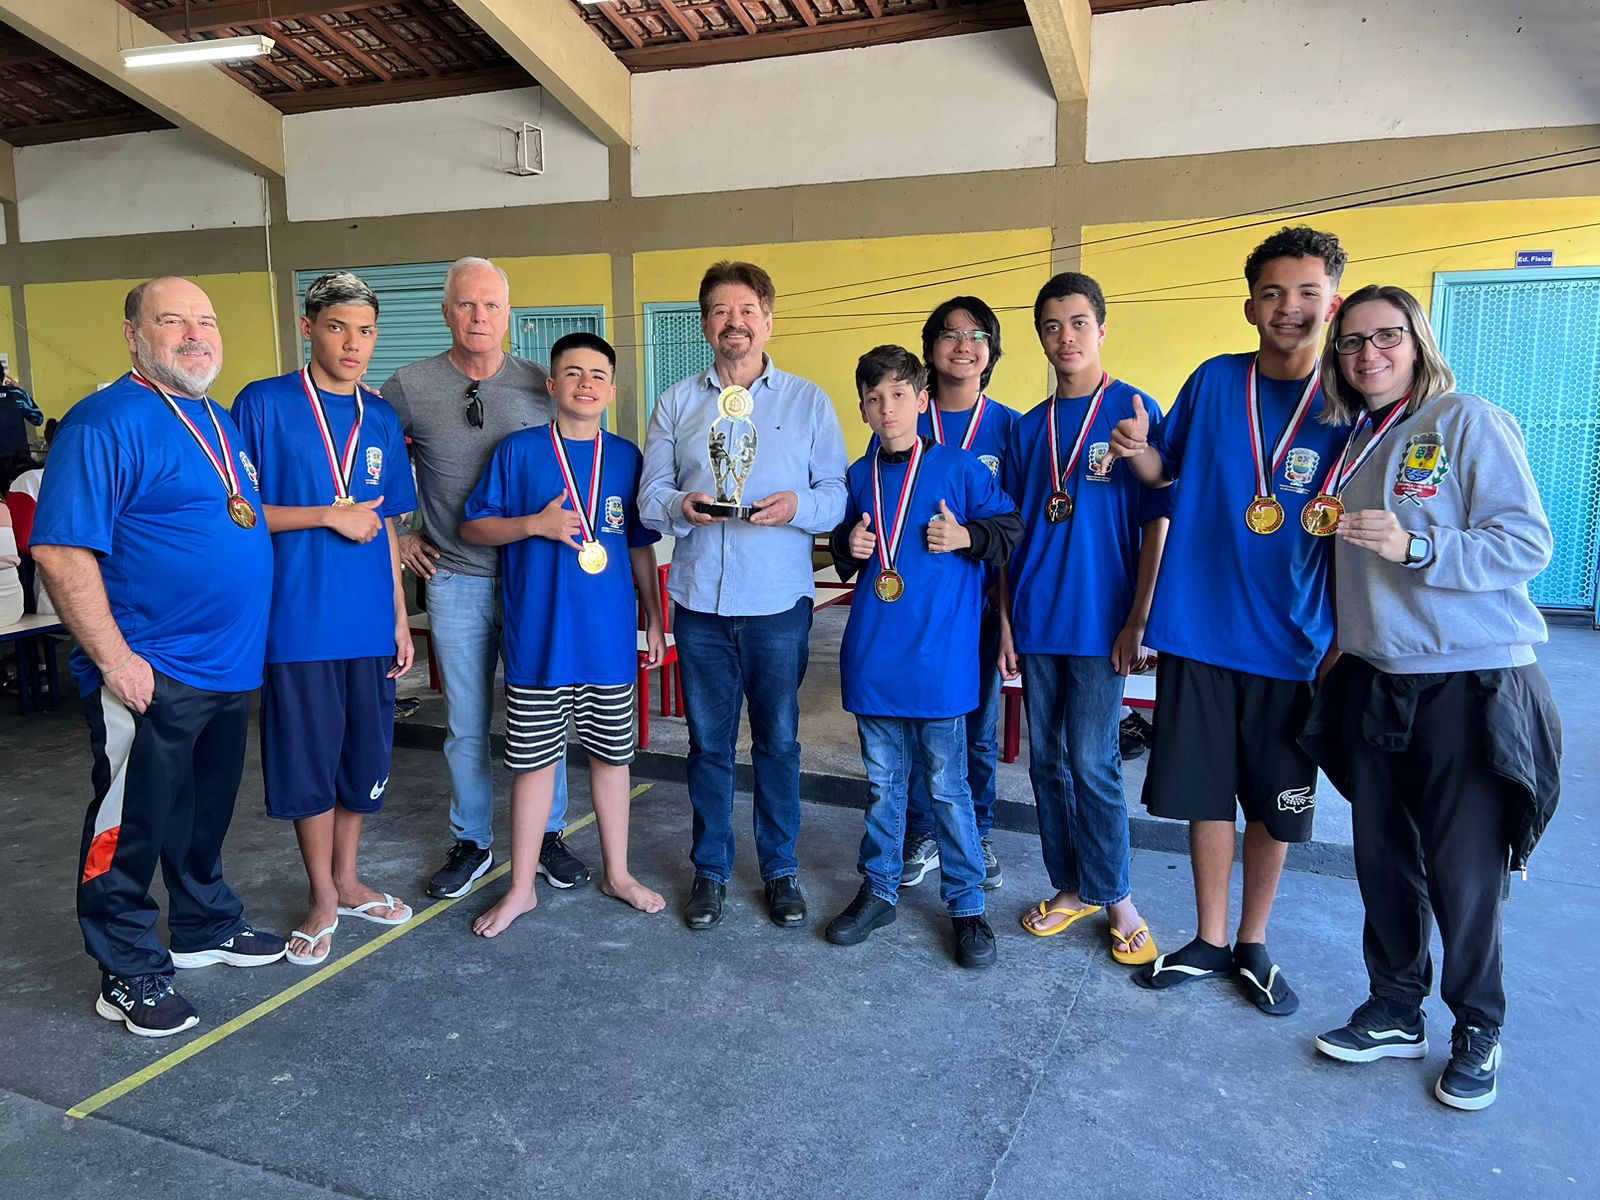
464	617
1075	764
891	748
983	743
724	660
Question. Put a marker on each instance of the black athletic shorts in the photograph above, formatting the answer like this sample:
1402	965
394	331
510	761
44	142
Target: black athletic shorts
1223	735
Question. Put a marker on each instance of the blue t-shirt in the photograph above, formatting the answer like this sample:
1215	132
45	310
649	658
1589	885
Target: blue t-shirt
918	656
188	588
563	626
1226	596
331	598
1072	582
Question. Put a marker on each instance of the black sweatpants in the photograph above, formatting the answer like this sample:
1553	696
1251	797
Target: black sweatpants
165	782
1431	822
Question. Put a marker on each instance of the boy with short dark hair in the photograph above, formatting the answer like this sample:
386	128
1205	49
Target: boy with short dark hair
334	477
920	521
1243	611
1079	588
576	563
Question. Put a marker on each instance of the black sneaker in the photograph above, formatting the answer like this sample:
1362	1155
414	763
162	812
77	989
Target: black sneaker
559	865
247	948
863	914
921	856
465	863
992	875
974	942
1468	1080
146	1004
1378	1029
1133	736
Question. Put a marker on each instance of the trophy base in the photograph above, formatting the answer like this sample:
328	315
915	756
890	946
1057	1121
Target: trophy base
739	512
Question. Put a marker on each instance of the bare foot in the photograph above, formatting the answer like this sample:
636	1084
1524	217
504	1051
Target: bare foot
1070	901
513	905
629	890
315	921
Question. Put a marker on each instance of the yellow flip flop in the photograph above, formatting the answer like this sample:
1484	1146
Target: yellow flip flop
1134	958
1073	915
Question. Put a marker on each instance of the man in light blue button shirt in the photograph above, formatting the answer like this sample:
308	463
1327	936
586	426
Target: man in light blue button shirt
743	589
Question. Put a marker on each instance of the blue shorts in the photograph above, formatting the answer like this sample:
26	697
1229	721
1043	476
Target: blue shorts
327	735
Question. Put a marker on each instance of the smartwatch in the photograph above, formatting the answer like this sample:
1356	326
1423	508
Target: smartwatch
1418	550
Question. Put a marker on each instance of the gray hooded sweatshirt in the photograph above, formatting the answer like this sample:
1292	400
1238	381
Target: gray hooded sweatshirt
1455	472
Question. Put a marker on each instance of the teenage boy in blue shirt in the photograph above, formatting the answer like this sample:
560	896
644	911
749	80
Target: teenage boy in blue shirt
334	477
1080	586
921	520
960	348
576	564
1243	611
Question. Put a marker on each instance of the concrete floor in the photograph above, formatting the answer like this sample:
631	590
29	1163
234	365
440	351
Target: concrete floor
593	1051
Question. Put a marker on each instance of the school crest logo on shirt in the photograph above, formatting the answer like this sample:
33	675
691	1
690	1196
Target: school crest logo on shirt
1300	468
374	465
991	462
1098	453
1422	466
250	470
614	515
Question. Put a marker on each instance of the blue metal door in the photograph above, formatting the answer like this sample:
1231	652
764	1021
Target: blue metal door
410	314
674	347
1529	340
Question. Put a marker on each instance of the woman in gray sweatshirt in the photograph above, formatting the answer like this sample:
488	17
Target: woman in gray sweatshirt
1436	721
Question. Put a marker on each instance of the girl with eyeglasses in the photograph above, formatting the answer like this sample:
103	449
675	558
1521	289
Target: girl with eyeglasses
1436	722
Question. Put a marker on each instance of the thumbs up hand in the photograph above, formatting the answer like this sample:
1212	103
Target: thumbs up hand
358	522
945	533
1132	434
862	540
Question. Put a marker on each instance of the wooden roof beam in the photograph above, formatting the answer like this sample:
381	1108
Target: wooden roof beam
556	46
1062	30
199	99
8	173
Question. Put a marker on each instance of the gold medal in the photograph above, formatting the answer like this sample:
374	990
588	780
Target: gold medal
1058	508
243	515
592	558
889	586
1320	516
1264	515
342	502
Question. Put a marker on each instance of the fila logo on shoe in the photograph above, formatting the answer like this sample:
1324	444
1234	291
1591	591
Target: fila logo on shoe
122	999
377	788
1296	800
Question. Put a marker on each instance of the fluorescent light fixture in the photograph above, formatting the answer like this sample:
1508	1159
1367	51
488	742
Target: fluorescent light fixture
230	49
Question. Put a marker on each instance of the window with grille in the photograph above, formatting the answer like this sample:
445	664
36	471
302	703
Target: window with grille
674	347
535	330
1529	340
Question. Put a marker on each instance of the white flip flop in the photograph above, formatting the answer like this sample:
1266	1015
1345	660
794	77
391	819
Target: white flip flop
310	960
364	911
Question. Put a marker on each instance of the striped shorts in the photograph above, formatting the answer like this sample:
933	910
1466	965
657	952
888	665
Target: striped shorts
536	724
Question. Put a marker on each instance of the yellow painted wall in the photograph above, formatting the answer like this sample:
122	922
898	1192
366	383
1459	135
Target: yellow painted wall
75	335
819	333
8	335
1175	299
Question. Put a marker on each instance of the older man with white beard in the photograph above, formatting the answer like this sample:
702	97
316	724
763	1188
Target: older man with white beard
151	541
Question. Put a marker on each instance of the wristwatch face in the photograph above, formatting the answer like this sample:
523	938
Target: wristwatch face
1416	550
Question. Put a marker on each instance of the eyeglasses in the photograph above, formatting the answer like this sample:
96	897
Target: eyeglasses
954	337
474	406
1384	339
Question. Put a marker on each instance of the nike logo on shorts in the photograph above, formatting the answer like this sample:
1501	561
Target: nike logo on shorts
377	788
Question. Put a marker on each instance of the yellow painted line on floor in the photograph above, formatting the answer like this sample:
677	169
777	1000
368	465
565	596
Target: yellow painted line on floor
321	975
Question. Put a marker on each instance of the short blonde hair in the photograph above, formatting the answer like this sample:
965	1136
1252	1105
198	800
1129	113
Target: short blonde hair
1341	403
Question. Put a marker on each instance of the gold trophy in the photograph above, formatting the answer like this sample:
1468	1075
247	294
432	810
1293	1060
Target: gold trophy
732	449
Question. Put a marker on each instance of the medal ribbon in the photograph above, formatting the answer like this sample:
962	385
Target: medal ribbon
224	466
342	466
1291	428
889	540
1340	474
586	512
972	429
1058	473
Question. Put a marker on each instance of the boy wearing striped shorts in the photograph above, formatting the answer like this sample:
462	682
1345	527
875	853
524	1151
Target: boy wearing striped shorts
576	564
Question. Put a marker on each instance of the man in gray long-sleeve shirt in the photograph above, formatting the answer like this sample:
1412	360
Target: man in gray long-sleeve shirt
455	409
